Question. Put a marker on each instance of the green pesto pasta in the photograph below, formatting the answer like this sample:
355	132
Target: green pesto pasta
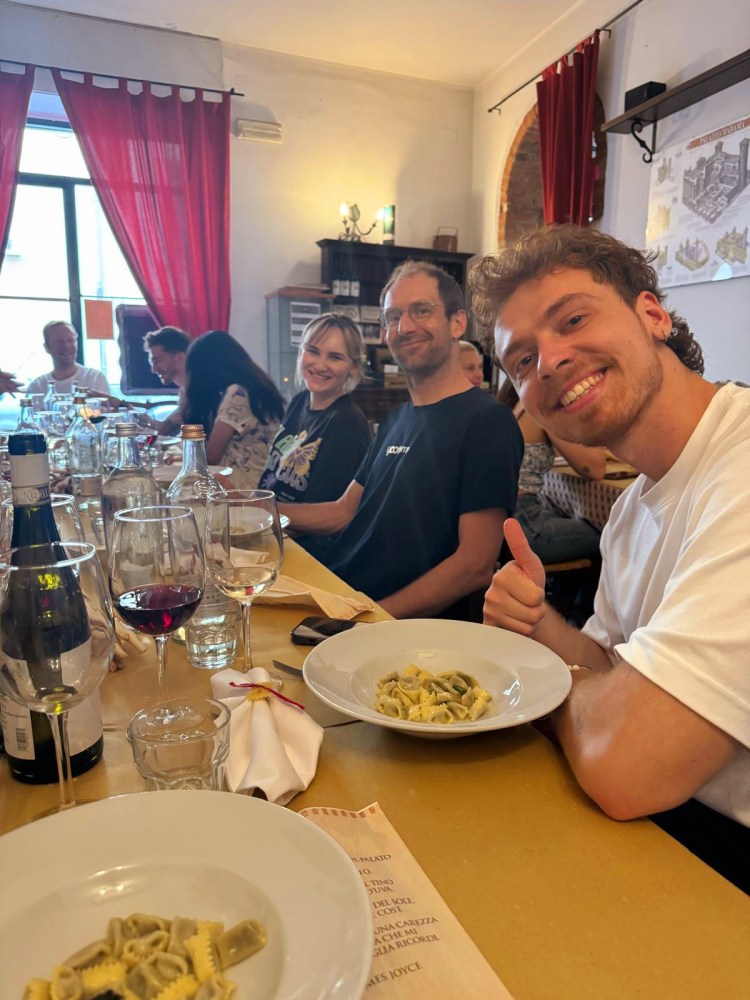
145	957
417	695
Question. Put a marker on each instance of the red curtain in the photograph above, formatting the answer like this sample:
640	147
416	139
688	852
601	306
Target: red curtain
566	128
15	90
160	166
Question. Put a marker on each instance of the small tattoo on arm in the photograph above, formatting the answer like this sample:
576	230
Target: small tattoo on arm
579	725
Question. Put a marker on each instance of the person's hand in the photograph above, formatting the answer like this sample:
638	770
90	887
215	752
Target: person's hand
515	599
8	382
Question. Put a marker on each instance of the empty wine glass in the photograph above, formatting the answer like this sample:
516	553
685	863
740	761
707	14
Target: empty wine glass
244	547
64	511
156	573
54	423
56	635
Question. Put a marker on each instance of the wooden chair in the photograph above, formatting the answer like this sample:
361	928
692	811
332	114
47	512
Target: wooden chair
571	586
567	567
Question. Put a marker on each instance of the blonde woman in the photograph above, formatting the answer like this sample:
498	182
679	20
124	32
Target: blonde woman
472	362
324	435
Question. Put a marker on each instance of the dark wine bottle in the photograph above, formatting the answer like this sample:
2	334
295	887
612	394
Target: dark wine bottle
65	630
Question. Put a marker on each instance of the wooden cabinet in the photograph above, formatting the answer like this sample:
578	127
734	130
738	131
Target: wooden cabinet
370	265
375	401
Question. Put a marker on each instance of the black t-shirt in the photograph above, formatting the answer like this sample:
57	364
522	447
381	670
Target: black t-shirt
315	456
316	453
427	467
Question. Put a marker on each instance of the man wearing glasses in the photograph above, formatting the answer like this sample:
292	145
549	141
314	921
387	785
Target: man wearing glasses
421	525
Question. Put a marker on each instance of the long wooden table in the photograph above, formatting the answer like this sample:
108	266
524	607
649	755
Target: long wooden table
562	901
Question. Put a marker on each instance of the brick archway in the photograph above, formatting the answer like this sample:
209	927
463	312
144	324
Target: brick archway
521	189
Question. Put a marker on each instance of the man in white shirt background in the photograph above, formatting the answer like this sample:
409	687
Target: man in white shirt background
61	343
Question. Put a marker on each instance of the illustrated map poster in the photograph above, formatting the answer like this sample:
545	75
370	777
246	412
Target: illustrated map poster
699	207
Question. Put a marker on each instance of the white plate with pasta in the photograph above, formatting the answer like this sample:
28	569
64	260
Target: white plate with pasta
501	678
208	855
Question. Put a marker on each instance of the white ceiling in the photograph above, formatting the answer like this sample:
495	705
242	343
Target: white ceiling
444	40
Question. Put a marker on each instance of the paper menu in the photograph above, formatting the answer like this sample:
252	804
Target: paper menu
420	948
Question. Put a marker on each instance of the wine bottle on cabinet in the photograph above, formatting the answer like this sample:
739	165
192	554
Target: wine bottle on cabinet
29	746
344	283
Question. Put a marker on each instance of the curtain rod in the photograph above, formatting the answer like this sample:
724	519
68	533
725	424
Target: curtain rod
131	79
605	27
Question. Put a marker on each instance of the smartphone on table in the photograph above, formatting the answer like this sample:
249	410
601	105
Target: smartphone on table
313	630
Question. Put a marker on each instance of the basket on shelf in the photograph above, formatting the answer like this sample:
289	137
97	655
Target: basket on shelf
446	239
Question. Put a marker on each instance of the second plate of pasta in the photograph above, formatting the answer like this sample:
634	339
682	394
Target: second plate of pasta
474	678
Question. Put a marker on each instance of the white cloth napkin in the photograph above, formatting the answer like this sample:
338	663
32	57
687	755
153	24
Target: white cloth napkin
287	590
273	746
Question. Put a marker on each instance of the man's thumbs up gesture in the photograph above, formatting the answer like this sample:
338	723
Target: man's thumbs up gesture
515	599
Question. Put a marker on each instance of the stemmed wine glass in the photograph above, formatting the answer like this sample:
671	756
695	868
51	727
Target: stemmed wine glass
57	635
244	547
64	511
156	573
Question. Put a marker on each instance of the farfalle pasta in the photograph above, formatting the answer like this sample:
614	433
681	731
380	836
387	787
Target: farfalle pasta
145	957
417	695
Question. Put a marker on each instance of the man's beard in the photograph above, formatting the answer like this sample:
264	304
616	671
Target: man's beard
609	429
426	363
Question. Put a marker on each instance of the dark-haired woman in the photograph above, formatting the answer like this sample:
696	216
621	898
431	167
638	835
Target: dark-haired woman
237	403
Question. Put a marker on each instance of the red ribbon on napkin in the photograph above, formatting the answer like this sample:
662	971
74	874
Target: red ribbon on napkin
272	691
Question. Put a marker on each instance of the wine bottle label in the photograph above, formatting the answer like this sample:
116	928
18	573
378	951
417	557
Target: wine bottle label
29	496
354	287
344	285
29	472
84	727
80	726
16	723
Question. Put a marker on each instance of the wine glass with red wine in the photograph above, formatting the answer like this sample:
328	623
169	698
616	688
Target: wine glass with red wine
156	573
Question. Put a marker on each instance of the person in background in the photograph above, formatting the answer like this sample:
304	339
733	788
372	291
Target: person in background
61	343
552	536
658	720
237	403
472	362
421	523
8	383
167	350
324	435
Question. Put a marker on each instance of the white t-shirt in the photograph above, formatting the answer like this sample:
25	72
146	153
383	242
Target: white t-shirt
248	449
87	378
674	594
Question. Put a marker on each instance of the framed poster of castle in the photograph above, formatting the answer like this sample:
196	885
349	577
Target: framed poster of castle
699	207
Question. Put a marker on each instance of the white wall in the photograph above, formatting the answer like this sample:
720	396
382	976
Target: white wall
660	40
348	135
50	38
